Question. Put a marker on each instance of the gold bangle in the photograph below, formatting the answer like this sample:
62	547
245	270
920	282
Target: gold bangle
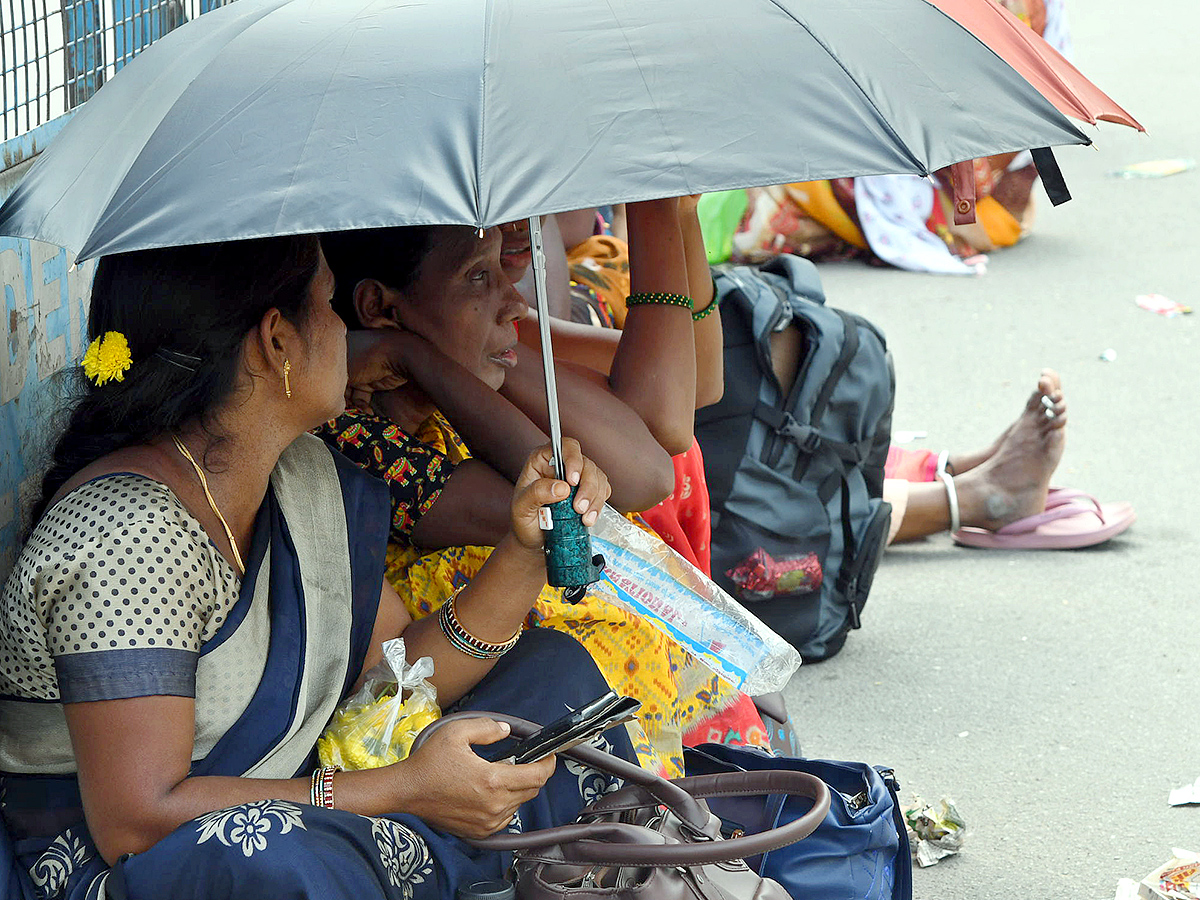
465	642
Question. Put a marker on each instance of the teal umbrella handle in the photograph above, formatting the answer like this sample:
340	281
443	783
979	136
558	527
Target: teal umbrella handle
570	563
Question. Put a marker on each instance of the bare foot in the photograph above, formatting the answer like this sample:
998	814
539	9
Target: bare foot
961	463
1011	483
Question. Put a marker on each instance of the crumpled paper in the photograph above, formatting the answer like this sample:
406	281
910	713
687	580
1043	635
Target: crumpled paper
935	832
1182	796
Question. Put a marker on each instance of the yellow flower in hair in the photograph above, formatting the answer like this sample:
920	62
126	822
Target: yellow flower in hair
107	358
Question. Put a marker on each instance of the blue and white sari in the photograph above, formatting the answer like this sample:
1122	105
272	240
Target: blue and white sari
294	643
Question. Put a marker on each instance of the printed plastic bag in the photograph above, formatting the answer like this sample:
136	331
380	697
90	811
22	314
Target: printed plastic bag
643	574
377	726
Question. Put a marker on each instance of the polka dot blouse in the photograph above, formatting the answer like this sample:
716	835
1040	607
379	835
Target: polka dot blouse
113	596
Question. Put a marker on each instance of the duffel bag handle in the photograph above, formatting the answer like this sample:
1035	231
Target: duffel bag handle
618	844
680	801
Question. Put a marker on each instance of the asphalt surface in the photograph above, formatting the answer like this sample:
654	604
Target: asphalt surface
1052	695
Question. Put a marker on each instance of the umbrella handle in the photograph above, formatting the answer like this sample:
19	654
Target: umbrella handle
569	560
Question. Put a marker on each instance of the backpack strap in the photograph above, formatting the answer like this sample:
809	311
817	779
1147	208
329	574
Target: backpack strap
807	438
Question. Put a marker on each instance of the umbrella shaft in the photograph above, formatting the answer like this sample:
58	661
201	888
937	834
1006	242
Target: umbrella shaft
543	314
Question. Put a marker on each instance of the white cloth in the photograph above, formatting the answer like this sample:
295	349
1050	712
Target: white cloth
892	210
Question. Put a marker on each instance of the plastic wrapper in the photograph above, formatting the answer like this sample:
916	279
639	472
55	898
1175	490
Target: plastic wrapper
1177	879
377	726
935	831
761	577
644	575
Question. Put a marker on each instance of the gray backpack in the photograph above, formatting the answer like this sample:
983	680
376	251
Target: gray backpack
795	471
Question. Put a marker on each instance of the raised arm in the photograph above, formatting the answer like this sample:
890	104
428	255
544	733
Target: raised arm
503	428
710	341
654	369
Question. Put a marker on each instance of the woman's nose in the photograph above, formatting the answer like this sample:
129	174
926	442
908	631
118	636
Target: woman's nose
514	307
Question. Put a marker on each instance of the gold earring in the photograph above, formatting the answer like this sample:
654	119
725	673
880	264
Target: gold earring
287	370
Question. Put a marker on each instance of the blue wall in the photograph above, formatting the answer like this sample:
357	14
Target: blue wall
44	313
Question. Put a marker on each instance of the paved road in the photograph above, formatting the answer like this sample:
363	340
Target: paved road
1071	677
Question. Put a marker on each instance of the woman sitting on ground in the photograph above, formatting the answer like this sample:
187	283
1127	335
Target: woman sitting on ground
203	585
441	306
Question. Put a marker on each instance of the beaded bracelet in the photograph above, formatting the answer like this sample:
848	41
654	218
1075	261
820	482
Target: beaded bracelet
706	312
659	299
320	792
465	642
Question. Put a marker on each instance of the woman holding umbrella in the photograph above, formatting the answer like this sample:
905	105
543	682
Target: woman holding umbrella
203	584
448	441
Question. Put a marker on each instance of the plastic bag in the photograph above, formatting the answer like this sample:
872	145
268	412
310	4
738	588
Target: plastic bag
377	726
644	575
720	213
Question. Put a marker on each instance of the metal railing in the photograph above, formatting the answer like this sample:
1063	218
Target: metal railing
54	54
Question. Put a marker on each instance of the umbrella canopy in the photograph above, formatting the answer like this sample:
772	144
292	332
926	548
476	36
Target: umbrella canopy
1041	65
272	117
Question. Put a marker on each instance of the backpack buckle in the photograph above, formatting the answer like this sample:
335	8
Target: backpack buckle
804	436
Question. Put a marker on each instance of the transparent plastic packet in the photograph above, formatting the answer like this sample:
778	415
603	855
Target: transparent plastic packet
644	575
377	726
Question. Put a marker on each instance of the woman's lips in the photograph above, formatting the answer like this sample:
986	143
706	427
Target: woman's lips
515	258
506	358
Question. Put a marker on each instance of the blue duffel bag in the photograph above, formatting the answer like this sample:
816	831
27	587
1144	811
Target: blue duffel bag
859	852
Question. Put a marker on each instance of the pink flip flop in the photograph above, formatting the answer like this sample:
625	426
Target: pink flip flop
1072	520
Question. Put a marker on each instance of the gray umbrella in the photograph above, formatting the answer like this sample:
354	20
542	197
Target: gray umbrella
272	117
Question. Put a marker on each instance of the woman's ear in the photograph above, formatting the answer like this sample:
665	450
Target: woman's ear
271	344
376	304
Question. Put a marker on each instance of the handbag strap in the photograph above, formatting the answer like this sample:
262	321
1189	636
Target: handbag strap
619	844
679	801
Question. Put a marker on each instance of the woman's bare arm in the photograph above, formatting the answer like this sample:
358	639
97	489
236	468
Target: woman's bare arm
654	370
503	428
707	333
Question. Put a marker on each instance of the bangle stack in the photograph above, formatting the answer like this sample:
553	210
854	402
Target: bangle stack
465	642
658	299
321	791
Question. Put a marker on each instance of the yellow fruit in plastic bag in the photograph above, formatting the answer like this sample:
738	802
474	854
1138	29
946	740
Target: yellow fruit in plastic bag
357	737
377	726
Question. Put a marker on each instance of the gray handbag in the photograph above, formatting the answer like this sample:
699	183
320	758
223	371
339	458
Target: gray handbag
653	839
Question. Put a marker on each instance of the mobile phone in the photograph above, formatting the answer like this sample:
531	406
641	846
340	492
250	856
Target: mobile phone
576	727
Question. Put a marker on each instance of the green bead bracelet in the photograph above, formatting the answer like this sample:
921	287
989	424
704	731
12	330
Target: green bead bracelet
706	312
660	299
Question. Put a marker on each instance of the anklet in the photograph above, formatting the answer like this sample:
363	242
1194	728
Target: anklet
952	497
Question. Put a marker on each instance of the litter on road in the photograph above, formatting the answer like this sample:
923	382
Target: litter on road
1155	168
1183	796
1164	306
935	832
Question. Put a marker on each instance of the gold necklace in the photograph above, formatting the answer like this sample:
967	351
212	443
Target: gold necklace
211	502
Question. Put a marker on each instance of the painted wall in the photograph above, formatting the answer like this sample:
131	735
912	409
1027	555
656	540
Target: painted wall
44	313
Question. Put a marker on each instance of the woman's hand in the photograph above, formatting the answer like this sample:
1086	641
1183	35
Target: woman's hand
452	788
539	486
375	362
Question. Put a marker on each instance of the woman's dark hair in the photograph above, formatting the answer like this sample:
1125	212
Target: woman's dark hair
185	312
391	256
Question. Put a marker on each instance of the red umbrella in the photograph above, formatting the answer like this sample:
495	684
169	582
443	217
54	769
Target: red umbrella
1039	63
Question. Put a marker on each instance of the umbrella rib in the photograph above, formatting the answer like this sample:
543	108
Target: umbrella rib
487	34
107	209
854	81
308	138
179	157
642	75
